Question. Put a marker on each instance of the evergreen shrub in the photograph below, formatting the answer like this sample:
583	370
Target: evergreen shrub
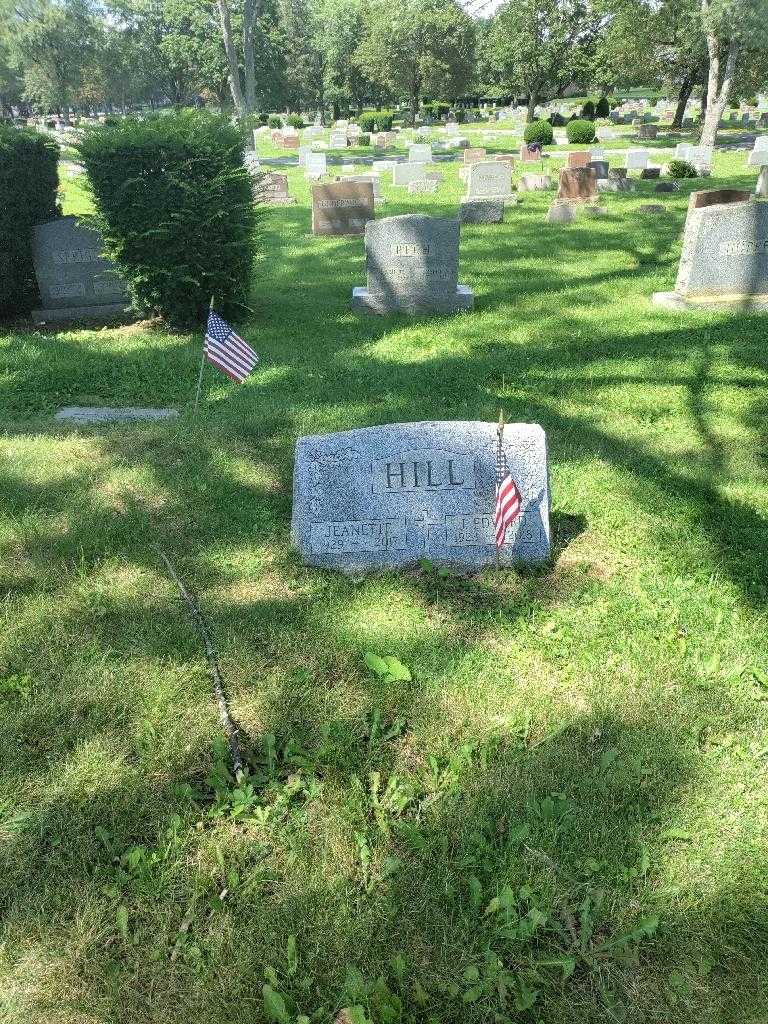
174	205
28	183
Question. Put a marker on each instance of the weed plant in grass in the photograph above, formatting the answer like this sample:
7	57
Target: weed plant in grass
554	810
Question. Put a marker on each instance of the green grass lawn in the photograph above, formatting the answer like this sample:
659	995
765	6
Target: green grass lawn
561	817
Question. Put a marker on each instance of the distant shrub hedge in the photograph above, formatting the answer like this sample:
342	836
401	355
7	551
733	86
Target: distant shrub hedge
364	139
556	120
274	121
588	111
174	205
295	120
539	131
28	183
376	120
682	169
603	108
580	132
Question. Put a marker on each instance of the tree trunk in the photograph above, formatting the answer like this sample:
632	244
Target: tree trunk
250	13
718	85
533	99
684	95
229	48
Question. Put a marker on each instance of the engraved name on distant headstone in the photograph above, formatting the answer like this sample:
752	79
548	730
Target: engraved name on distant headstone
73	278
387	496
413	266
342	208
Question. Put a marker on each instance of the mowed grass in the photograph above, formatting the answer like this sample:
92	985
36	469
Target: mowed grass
560	818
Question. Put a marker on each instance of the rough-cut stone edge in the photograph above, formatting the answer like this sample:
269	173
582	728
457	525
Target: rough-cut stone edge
735	303
364	301
42	316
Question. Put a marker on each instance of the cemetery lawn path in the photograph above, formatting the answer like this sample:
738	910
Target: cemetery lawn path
560	818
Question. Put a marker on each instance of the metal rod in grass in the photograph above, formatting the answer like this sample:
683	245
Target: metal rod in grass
230	729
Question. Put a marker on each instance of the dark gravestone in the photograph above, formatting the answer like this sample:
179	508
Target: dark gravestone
383	497
75	280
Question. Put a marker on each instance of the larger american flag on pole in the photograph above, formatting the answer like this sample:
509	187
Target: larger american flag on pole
508	498
227	350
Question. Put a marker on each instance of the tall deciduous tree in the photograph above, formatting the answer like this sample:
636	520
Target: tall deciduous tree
417	47
730	27
538	45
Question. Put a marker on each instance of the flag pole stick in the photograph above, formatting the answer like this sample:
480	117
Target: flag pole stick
200	374
499	435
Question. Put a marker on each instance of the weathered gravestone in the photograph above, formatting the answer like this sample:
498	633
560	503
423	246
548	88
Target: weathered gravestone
385	497
577	184
75	281
636	159
316	165
534	183
420	153
580	158
471	156
724	262
375	182
560	212
404	174
600	167
338	140
98	414
273	188
489	179
342	208
412	266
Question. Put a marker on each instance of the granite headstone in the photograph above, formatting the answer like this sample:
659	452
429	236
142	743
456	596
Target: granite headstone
342	208
412	266
724	261
388	496
74	279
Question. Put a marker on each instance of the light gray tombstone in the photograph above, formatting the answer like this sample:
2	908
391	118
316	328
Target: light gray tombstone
99	414
561	212
386	497
758	158
534	183
375	181
489	179
724	262
75	281
338	140
412	266
316	165
637	159
761	188
404	174
420	153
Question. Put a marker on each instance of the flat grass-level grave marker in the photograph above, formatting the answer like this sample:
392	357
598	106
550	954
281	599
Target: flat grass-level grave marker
724	262
342	208
385	497
97	414
412	265
75	280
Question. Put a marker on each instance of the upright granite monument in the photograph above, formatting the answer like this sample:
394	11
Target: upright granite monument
342	208
75	280
724	262
385	497
413	267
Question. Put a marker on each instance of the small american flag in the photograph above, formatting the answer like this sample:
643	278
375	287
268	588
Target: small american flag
508	497
227	350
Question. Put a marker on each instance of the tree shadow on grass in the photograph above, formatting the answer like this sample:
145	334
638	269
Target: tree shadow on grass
529	869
